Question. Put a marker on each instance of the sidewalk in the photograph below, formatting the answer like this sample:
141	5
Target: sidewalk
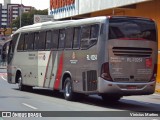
158	87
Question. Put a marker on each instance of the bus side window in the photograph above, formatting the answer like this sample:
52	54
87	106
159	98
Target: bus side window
94	34
85	37
14	41
26	40
36	40
76	38
42	36
31	41
29	38
12	47
69	38
21	43
48	40
62	37
55	34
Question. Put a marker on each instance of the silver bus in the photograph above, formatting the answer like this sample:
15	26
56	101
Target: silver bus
111	56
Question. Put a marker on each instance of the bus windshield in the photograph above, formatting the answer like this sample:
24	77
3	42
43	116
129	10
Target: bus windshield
131	29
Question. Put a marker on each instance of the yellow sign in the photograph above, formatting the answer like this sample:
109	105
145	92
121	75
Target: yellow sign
7	31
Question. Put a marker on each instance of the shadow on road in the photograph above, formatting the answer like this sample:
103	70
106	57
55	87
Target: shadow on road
94	100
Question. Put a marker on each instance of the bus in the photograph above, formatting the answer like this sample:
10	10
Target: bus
111	56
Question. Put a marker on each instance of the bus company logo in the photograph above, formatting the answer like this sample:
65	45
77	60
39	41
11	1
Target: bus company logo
44	57
57	6
73	60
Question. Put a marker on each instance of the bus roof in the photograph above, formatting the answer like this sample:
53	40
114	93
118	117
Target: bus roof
59	24
69	23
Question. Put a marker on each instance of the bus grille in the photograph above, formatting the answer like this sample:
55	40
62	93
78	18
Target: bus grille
132	51
89	80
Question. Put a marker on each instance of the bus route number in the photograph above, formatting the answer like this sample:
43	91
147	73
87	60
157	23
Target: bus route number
137	60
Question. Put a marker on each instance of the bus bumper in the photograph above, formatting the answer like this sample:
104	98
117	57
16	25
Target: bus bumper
125	89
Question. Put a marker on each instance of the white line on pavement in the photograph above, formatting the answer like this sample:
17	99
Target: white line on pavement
3	78
30	106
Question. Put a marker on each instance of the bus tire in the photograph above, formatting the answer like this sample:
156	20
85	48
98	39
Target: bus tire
20	84
68	90
109	98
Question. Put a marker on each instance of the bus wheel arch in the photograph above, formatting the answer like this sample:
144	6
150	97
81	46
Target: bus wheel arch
68	87
19	80
18	74
66	75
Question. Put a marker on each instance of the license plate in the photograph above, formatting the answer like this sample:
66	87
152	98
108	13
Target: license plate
131	87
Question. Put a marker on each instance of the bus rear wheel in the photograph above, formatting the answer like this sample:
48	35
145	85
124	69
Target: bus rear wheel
68	90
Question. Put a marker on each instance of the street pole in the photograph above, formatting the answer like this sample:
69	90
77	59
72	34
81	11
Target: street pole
113	12
20	14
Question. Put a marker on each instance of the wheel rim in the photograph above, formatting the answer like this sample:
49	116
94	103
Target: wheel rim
19	82
68	89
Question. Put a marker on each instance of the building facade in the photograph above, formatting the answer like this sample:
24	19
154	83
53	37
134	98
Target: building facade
0	13
9	12
69	9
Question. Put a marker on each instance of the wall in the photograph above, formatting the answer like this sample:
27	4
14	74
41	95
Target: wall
85	6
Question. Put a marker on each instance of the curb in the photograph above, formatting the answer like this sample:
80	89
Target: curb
157	88
157	91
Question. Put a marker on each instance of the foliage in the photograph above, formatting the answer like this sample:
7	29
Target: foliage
28	18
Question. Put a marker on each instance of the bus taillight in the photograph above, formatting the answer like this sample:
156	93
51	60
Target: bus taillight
154	75
105	72
148	62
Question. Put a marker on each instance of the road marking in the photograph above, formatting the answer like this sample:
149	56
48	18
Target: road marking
3	78
30	106
3	73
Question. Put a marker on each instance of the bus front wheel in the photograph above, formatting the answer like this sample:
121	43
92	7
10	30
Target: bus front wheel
68	90
20	85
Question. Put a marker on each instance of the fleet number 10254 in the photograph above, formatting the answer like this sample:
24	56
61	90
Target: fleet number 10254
134	60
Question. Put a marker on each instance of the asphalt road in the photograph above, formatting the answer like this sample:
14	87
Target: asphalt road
11	99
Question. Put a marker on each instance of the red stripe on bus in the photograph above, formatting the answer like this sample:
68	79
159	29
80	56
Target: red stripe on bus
59	73
47	68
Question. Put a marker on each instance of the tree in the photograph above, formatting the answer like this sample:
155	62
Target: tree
27	18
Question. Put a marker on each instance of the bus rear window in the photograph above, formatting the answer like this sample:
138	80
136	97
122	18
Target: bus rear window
132	29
